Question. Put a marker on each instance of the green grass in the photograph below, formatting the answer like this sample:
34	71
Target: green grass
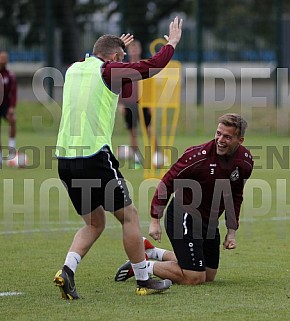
252	282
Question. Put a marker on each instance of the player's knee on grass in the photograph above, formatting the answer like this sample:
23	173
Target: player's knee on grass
210	274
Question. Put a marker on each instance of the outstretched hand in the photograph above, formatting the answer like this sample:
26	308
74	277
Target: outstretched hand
230	240
155	230
175	30
127	39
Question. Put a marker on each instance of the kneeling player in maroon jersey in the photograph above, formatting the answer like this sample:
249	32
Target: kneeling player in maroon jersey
206	180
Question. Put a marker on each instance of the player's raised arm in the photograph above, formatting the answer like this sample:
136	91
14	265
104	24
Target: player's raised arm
175	30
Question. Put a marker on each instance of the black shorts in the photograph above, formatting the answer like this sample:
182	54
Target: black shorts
4	111
132	116
94	181
195	248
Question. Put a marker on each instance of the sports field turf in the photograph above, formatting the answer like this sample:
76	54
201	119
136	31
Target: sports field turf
253	282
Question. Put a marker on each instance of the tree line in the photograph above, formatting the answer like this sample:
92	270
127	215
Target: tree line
220	17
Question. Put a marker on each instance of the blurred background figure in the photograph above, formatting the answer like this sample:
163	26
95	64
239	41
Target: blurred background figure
128	105
8	92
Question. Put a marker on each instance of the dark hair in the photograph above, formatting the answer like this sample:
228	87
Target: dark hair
107	45
234	120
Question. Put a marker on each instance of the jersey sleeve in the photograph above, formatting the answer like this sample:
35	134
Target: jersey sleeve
165	187
245	167
118	74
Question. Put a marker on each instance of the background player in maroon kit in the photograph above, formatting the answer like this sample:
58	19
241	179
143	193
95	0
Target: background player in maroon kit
7	100
207	180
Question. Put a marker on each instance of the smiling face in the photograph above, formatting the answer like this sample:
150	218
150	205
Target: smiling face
227	140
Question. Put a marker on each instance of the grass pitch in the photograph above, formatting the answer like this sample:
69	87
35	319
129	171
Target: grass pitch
37	225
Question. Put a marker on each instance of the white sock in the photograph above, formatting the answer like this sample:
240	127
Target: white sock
150	265
155	254
72	260
140	271
11	142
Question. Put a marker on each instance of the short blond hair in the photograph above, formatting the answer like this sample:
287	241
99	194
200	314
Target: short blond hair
234	120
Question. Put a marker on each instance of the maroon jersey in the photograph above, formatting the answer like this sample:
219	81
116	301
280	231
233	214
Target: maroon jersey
206	182
7	88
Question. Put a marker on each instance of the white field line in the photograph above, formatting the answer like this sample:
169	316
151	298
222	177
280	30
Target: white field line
112	226
10	293
37	230
57	229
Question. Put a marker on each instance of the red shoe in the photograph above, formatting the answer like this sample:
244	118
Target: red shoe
147	244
